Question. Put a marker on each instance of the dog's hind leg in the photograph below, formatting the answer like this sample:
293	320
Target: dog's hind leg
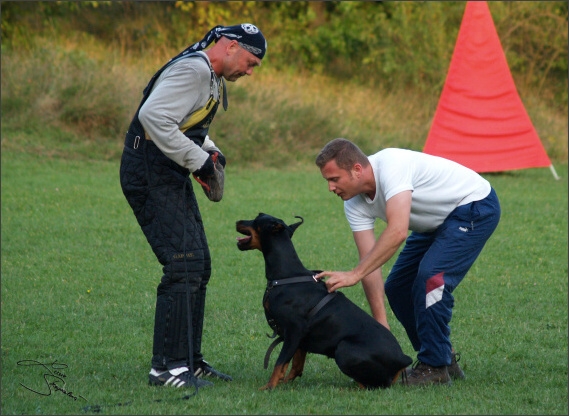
298	361
396	377
358	362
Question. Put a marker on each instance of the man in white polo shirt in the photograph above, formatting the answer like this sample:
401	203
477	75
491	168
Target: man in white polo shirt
451	212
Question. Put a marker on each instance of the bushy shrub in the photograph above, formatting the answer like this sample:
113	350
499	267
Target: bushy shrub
368	71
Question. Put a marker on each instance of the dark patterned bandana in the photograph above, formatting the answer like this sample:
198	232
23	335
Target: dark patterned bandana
247	35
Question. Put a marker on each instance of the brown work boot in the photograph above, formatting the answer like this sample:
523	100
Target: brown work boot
422	374
454	370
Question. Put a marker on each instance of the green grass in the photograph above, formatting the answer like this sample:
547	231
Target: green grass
79	282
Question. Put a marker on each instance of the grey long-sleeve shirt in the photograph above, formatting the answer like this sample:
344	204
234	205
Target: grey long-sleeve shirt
181	90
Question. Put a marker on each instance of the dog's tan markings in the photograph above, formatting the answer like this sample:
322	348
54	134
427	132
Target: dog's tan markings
255	240
396	377
277	376
298	361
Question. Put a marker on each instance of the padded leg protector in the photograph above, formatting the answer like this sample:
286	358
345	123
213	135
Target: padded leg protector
198	309
170	349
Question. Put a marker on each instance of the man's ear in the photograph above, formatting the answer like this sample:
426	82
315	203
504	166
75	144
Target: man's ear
232	47
357	170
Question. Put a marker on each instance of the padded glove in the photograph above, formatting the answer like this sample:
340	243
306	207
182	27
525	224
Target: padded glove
207	169
220	157
211	177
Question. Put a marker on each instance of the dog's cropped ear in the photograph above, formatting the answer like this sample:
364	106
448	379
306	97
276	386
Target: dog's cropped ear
294	226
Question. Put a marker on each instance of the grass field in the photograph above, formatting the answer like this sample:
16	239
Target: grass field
79	282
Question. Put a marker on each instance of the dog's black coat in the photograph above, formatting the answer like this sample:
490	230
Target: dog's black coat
363	349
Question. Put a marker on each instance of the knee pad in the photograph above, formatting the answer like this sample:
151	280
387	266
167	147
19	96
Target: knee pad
195	265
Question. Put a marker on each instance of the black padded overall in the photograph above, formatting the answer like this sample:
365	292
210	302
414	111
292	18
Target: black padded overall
161	196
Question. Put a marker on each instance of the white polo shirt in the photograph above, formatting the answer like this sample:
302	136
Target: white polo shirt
439	186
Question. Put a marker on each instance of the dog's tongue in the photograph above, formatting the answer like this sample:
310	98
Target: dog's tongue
245	239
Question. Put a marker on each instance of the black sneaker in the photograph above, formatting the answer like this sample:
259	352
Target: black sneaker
422	374
203	369
454	370
185	379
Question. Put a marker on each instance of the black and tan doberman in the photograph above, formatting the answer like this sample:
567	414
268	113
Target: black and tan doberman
309	319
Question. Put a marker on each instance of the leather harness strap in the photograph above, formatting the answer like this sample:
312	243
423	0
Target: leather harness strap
311	313
270	350
321	304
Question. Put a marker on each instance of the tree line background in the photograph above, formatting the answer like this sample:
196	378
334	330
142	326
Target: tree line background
386	48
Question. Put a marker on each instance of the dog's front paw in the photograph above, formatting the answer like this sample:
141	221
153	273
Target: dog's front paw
267	386
292	375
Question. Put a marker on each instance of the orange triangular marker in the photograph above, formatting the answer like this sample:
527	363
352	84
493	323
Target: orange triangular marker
480	121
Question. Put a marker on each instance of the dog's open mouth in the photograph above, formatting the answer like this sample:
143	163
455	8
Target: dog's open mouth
243	243
243	240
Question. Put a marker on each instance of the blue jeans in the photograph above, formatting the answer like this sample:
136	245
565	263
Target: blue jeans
430	266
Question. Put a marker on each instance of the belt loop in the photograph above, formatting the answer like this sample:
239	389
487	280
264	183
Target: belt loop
136	142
